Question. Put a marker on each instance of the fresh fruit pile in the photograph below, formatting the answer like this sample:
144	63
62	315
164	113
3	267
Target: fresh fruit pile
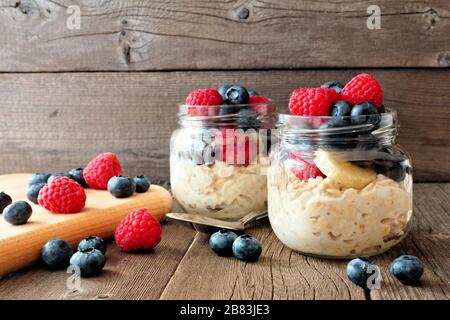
406	268
359	102
235	108
89	258
63	192
230	99
244	247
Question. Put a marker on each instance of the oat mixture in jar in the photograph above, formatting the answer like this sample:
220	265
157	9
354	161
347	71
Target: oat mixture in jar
340	186
219	157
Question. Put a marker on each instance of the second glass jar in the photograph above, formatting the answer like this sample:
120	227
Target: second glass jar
218	160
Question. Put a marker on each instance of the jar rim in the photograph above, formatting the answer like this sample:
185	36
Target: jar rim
183	109
286	116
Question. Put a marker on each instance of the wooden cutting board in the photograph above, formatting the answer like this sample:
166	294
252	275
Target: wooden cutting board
20	246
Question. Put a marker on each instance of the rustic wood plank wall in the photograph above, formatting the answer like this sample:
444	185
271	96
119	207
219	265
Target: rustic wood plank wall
64	96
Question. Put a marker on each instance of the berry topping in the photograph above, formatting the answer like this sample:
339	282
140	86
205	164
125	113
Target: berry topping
138	231
335	85
38	178
142	183
260	104
5	200
236	94
90	261
365	113
223	89
236	147
33	192
121	187
252	93
102	168
246	248
77	175
248	118
203	97
17	213
407	269
312	101
359	271
62	195
303	169
56	253
92	242
221	242
363	87
334	123
340	108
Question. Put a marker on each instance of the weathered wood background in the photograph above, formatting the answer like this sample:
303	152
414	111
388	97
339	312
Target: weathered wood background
65	97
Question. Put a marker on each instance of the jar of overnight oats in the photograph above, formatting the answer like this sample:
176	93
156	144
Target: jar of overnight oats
219	158
339	192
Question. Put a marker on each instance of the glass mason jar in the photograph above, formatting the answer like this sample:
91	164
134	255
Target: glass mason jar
219	157
339	192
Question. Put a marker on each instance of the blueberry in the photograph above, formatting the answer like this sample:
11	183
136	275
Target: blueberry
92	242
248	118
382	109
407	269
17	213
33	192
38	178
60	174
142	183
365	113
246	248
252	93
202	153
5	200
340	108
358	271
121	186
395	170
334	123
223	89
236	94
56	253
77	175
90	261
221	242
226	110
335	85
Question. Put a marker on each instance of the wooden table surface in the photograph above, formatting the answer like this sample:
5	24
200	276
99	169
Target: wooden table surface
183	267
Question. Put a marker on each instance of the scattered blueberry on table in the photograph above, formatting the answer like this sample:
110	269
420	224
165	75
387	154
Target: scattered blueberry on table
358	271
38	178
92	242
407	269
77	175
56	253
246	248
90	261
5	200
142	183
33	192
221	242
121	186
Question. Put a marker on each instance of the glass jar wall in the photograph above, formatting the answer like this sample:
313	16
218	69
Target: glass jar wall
339	192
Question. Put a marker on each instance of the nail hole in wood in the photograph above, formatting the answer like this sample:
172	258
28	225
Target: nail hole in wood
244	13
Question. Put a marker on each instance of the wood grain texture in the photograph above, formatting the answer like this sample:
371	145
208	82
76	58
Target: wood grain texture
193	34
58	121
430	241
283	274
126	276
20	246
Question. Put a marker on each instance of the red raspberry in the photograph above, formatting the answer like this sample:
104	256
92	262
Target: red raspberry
102	168
236	147
203	97
312	101
363	87
303	169
62	195
260	104
138	231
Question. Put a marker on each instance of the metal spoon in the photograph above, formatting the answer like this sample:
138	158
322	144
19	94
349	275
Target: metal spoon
206	224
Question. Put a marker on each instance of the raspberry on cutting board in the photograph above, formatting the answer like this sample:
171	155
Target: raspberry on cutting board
312	101
363	88
102	168
62	195
138	231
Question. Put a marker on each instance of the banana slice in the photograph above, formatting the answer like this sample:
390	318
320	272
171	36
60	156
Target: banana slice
343	172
